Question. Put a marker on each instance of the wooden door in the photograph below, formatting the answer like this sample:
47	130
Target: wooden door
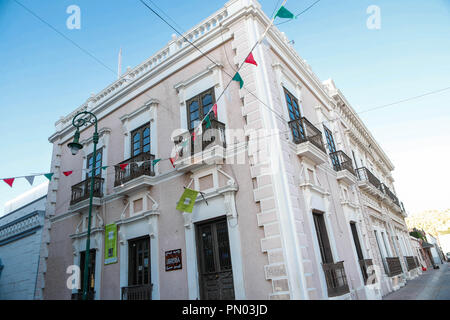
139	262
216	274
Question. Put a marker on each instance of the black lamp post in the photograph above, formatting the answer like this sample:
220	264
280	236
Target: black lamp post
81	119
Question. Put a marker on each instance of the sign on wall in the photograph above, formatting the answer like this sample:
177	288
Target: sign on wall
110	243
173	260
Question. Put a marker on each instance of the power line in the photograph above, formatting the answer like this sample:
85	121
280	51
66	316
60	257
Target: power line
404	100
64	36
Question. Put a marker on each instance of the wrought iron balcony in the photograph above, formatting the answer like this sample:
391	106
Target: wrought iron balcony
336	279
139	292
133	170
390	194
304	131
365	265
416	260
410	263
364	174
81	191
214	135
394	266
341	162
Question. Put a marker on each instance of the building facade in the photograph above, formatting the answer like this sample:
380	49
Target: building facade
20	244
297	196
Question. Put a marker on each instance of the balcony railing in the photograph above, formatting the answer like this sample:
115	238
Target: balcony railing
394	266
365	265
336	279
133	170
81	191
79	295
364	174
303	131
140	292
390	194
410	263
341	162
416	260
213	136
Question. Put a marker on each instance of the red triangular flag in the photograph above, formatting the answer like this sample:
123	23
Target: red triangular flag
9	181
250	59
123	166
215	110
67	173
172	160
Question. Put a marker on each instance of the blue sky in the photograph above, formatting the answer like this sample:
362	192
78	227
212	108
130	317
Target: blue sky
44	76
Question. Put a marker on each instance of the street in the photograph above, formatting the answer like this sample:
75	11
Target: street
431	285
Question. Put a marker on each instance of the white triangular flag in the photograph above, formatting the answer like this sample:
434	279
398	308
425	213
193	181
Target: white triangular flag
30	179
139	163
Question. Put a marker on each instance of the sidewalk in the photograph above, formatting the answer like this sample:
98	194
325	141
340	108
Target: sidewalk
431	285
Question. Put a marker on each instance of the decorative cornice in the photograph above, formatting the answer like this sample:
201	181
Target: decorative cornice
21	226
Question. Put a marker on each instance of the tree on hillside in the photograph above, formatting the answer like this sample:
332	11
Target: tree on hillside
430	221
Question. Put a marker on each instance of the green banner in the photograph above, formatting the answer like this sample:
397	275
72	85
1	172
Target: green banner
110	244
187	200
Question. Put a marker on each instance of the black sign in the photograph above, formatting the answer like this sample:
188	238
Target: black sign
173	260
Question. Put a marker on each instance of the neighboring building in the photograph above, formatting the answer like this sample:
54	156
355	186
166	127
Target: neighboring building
444	239
436	250
20	244
292	220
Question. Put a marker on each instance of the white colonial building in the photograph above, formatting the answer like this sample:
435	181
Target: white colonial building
297	200
20	244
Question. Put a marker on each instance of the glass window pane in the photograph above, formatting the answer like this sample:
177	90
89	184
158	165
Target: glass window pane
194	115
193	106
207	99
288	99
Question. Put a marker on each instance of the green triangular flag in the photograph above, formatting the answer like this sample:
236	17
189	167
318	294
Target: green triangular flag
208	122
105	167
156	161
49	176
237	77
285	13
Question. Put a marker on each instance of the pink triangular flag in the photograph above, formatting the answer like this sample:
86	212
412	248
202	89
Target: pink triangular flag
215	110
251	60
172	160
9	181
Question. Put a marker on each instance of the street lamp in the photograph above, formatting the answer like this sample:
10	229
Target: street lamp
81	119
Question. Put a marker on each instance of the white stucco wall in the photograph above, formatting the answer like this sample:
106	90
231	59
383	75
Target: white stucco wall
20	242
